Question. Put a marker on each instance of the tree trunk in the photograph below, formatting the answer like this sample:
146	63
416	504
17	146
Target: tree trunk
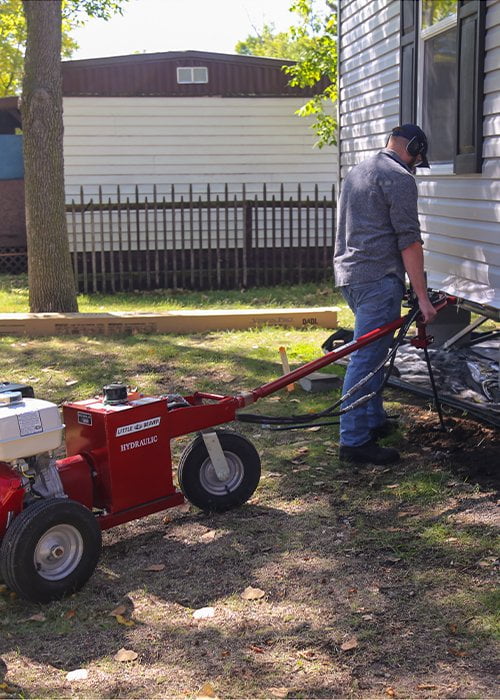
50	274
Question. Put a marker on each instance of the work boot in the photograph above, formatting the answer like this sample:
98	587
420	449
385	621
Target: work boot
369	452
388	427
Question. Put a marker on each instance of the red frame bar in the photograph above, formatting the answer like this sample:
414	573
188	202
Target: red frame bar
260	392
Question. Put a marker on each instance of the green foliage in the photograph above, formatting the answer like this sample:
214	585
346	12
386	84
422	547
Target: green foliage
318	61
12	42
100	9
312	43
274	45
13	34
434	11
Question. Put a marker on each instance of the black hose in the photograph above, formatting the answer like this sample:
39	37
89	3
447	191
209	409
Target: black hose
307	420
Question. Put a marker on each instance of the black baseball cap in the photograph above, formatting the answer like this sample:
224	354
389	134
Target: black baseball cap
414	133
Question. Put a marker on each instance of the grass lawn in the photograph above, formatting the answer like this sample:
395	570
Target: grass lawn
14	298
378	582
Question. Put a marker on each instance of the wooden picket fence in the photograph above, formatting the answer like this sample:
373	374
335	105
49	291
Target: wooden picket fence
193	240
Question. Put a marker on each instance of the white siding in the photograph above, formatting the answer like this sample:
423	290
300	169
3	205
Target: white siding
166	141
459	215
368	77
187	144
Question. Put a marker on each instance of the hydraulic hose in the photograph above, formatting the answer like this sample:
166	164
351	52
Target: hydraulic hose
308	420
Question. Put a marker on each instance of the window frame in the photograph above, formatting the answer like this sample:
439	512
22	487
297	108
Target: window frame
423	35
471	29
192	70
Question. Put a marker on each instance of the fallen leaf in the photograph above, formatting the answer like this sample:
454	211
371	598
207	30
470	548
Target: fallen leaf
486	563
313	429
154	567
120	610
8	688
392	486
125	655
392	560
452	629
280	692
457	652
167	520
367	617
69	614
203	613
350	644
390	692
209	536
256	649
79	674
39	617
3	588
309	655
206	691
252	593
123	621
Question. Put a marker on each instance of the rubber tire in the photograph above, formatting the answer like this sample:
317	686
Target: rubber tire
195	462
19	544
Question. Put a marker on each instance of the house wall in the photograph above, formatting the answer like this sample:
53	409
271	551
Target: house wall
459	215
12	218
11	157
130	141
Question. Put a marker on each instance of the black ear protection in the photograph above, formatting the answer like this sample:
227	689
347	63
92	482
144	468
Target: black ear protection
415	147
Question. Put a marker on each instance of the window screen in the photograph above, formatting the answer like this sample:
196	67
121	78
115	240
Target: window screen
439	95
192	74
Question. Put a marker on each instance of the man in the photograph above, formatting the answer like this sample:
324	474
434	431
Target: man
378	240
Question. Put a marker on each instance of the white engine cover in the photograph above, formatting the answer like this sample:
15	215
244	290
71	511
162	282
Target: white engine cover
28	428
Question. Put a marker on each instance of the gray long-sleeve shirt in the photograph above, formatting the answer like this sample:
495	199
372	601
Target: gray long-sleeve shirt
377	218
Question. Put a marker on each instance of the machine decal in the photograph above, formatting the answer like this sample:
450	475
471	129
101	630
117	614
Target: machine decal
84	418
30	423
139	443
136	427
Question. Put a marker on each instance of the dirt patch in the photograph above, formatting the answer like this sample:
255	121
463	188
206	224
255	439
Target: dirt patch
471	448
377	582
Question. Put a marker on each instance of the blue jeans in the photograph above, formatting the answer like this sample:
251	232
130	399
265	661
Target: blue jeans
373	305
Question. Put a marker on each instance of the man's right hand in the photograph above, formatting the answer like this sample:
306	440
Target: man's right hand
427	310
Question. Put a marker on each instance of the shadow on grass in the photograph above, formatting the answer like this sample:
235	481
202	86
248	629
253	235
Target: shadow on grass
317	584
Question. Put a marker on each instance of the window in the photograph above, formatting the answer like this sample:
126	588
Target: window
192	74
442	59
438	78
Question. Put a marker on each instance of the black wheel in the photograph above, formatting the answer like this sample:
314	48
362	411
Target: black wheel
199	482
50	550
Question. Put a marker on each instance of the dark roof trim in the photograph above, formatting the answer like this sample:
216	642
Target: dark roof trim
148	75
178	55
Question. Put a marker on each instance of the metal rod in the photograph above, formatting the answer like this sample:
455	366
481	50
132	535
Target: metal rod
328	358
434	390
